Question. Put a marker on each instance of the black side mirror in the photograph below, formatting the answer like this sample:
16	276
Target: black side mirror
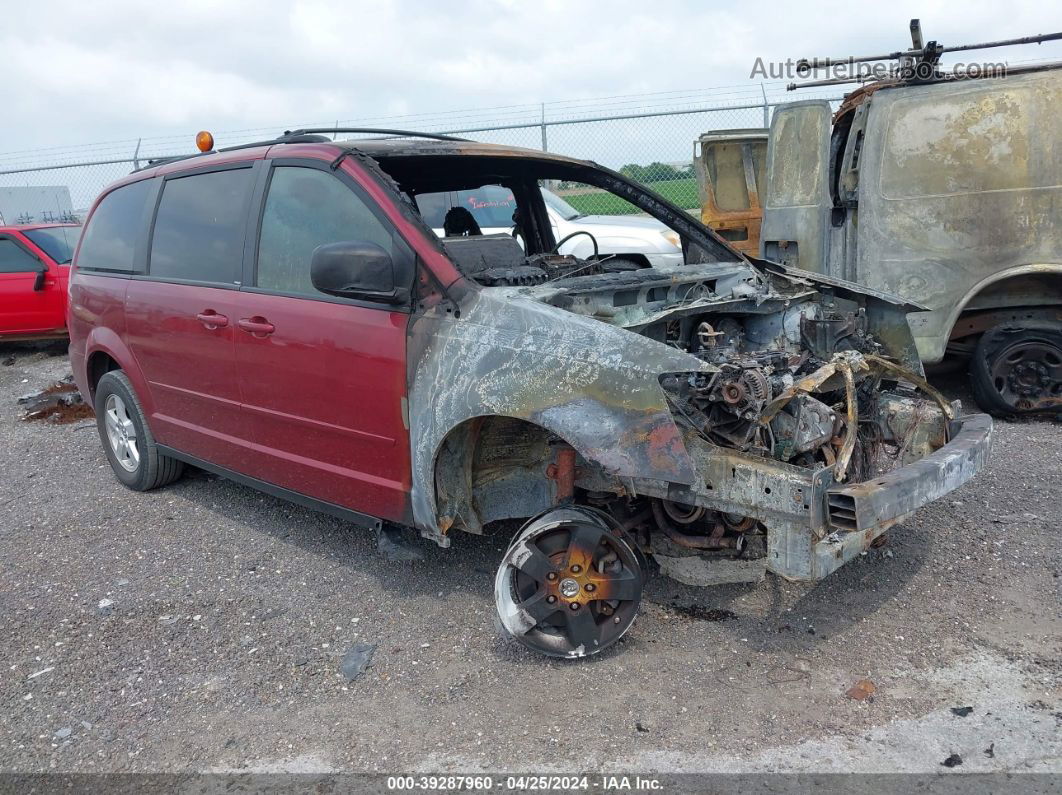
38	283
356	269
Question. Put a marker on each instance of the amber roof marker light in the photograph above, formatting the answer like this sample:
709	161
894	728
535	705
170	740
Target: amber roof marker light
204	141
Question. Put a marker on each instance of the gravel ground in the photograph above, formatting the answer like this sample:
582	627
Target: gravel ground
202	627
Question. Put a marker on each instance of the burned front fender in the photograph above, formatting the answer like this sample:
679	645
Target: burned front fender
593	385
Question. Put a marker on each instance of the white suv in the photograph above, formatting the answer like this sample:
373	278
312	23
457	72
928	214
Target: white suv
641	240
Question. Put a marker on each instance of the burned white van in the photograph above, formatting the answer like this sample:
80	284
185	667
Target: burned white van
945	192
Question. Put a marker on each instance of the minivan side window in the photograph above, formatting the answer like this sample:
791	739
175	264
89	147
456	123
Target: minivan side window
200	227
15	259
306	208
109	242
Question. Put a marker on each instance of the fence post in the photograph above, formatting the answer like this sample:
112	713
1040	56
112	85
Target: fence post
136	161
543	118
766	108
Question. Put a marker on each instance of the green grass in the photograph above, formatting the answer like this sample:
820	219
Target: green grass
682	192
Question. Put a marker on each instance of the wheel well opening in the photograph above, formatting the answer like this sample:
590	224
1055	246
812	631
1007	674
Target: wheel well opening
99	364
1026	296
1015	300
494	468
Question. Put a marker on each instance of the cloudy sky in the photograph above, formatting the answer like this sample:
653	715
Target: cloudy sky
76	73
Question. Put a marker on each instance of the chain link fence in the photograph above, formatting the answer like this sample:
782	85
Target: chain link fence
652	146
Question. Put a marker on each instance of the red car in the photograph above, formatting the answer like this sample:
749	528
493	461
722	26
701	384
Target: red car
34	268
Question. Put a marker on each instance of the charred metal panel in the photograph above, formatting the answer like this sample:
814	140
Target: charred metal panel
902	491
960	183
593	385
797	207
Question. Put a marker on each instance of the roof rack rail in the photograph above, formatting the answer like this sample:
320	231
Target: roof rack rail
383	133
920	64
303	136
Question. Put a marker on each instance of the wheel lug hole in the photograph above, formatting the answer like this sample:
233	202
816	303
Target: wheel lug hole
576	568
551	576
574	605
589	587
551	598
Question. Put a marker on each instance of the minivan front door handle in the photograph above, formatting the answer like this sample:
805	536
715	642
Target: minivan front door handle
256	325
211	319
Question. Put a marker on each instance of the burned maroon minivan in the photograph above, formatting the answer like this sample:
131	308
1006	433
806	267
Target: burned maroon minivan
281	314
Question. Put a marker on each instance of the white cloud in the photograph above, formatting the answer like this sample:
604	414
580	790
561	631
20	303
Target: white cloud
76	72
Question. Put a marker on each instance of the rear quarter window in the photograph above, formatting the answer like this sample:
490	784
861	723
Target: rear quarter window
491	205
109	242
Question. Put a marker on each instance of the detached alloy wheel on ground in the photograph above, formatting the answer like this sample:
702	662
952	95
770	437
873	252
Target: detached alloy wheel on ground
569	585
1018	369
127	441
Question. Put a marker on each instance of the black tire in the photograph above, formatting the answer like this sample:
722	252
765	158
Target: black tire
1017	369
148	468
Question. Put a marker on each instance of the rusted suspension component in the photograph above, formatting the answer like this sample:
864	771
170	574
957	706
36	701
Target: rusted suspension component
739	524
683	514
715	540
563	472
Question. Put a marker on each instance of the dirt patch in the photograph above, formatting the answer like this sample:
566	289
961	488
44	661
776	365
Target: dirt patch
702	613
59	403
63	414
60	388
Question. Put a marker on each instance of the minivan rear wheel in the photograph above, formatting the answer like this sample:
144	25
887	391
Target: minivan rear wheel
127	441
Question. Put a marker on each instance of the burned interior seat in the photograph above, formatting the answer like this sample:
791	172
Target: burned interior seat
459	222
475	255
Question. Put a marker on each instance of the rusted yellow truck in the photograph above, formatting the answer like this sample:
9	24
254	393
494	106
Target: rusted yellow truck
729	165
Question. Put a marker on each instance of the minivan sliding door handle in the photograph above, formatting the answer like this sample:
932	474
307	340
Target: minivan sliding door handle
256	325
211	319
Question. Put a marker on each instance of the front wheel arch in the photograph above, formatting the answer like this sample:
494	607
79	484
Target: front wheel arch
478	480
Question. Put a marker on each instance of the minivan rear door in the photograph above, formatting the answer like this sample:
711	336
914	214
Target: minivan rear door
181	316
323	378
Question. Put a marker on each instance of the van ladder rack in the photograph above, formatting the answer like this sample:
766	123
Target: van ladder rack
920	64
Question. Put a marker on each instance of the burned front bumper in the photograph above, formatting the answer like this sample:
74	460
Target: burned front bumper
814	524
852	516
856	514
